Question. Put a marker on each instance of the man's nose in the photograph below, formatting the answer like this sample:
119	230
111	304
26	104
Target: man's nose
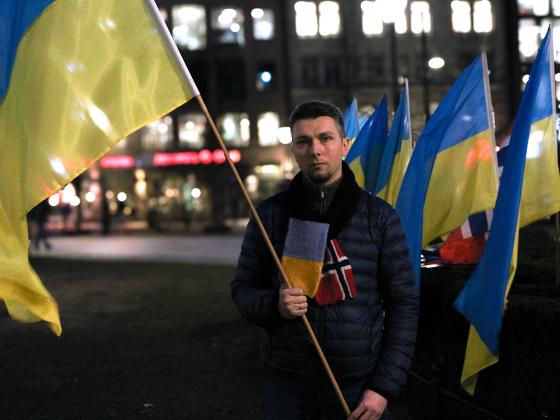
316	147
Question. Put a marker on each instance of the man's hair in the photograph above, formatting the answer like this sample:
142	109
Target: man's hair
315	109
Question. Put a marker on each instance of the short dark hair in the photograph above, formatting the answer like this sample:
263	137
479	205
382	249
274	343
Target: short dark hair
315	109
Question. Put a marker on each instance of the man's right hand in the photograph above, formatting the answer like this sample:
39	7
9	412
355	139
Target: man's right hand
292	303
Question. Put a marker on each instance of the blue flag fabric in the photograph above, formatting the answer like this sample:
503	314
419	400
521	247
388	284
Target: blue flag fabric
351	124
482	301
16	16
365	154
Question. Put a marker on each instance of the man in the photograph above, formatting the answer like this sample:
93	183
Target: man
368	332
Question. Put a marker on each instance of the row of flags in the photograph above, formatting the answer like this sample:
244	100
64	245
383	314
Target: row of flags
75	79
450	187
71	88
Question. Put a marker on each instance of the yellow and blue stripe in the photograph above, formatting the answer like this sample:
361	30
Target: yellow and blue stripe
452	171
397	152
304	253
483	299
364	157
75	78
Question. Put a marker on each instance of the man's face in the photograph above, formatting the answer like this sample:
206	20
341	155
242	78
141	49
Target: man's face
318	148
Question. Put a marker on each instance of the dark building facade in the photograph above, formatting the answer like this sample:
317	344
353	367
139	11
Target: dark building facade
254	60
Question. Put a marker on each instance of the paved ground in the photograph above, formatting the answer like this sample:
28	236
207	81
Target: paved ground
200	249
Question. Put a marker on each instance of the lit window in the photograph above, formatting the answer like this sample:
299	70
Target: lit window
235	128
263	24
555	35
482	16
420	19
329	18
400	22
267	126
461	16
372	24
158	134
528	39
533	7
227	25
189	26
192	128
306	19
556	7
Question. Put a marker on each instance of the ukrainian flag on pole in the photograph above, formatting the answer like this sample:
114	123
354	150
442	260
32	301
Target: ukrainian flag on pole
365	154
483	299
351	124
397	152
452	171
75	78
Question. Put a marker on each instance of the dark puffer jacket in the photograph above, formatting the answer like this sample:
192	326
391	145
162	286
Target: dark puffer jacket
370	337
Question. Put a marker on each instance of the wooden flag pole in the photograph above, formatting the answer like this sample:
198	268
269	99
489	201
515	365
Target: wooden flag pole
273	252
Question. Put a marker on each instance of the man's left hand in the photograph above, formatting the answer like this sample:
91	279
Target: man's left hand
371	406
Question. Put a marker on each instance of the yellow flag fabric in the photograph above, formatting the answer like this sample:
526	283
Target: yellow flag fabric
86	74
541	182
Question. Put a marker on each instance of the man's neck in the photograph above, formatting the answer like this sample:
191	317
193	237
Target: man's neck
318	198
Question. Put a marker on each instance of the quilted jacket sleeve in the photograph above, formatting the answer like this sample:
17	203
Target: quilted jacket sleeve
252	288
400	303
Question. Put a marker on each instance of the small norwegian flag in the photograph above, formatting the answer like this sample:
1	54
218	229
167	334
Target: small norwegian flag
337	281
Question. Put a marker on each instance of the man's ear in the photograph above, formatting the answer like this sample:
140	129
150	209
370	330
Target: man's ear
345	146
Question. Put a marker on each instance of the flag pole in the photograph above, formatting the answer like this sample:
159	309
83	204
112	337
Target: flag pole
174	51
273	253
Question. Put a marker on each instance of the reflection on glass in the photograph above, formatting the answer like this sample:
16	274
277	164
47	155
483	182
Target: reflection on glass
306	19
189	26
234	128
268	125
192	129
158	135
227	25
263	24
329	18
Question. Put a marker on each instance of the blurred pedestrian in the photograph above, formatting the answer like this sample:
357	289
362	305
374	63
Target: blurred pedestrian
364	307
39	216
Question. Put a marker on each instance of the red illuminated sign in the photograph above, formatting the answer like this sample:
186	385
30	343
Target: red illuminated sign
115	161
203	157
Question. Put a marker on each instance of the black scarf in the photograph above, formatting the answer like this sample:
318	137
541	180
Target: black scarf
340	211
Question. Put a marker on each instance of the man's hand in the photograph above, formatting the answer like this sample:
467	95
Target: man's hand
292	303
371	406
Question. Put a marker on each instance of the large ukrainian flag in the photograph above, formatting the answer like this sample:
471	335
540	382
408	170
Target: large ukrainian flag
397	152
483	299
365	154
75	78
452	172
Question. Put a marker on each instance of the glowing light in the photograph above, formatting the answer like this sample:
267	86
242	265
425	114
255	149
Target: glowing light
121	197
284	135
266	76
196	193
257	13
75	201
110	195
54	200
436	63
235	27
140	174
90	197
117	161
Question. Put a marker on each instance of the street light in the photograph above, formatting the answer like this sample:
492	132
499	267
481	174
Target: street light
390	11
